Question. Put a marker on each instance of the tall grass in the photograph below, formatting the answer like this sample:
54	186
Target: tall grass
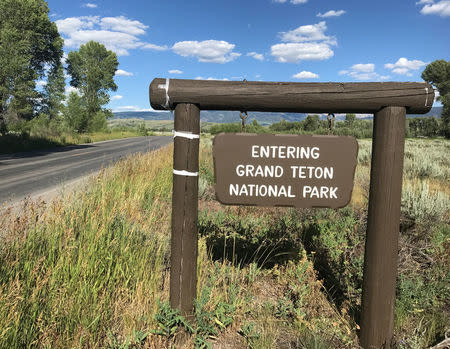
93	264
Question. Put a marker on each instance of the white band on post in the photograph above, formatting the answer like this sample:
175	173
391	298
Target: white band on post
185	173
166	87
185	135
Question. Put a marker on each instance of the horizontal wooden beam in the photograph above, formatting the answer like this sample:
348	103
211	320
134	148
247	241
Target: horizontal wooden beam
349	97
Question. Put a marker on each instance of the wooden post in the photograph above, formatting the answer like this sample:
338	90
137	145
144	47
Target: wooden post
183	259
380	259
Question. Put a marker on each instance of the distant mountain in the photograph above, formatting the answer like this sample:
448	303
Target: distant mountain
218	116
263	118
145	115
435	111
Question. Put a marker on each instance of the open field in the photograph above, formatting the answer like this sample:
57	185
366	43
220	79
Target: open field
91	269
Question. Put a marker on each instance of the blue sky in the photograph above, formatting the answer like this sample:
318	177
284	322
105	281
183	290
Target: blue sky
268	40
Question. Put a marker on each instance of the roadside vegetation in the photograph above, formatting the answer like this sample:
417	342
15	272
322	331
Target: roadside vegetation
91	269
40	137
35	110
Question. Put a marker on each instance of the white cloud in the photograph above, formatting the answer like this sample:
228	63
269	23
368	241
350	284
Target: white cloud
363	68
404	67
116	97
305	33
175	71
305	75
155	47
120	72
363	72
90	5
118	34
294	52
421	2
210	51
258	56
307	42
441	8
41	83
123	25
331	13
72	24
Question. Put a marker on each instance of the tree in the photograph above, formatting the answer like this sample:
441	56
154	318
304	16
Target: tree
54	92
29	42
349	119
311	123
75	113
437	73
92	69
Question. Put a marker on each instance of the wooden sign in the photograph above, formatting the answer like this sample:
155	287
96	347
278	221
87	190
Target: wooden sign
284	170
389	101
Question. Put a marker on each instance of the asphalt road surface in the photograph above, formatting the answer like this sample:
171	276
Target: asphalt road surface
32	173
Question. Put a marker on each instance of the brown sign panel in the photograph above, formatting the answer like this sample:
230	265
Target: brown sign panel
284	170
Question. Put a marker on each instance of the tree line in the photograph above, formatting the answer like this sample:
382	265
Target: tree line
430	127
31	55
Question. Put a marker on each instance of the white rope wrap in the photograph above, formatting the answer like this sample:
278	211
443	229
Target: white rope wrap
185	173
426	100
166	87
185	135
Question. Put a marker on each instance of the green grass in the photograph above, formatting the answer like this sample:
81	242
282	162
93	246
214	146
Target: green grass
13	143
91	269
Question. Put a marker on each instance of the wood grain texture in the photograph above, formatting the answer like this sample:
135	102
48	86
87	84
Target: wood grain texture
183	260
381	251
363	97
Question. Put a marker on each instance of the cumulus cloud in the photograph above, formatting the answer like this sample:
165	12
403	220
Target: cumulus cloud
90	5
175	71
307	42
363	68
258	56
305	75
363	72
441	8
404	67
304	33
121	72
331	13
123	25
118	34
210	51
116	97
295	52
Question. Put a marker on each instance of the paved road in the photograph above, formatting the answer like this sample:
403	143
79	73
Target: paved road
24	174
